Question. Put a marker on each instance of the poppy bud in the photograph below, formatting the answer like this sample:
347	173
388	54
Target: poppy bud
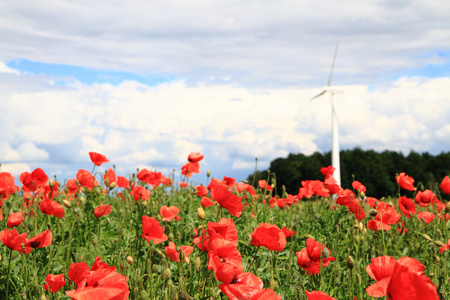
113	185
51	183
427	237
208	173
67	203
439	232
0	257
362	194
350	262
447	207
360	226
43	297
197	264
373	213
437	259
358	238
439	243
130	260
171	237
144	295
82	200
154	268
107	181
325	253
355	226
170	282
201	213
160	253
166	273
193	234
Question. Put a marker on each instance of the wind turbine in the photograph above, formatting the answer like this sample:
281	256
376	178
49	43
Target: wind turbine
334	122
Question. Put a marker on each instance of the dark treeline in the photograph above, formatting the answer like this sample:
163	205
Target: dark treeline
373	169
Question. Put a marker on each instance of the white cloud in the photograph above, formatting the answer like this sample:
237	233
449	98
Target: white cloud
7	70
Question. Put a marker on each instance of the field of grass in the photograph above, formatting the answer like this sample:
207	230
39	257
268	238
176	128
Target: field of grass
146	236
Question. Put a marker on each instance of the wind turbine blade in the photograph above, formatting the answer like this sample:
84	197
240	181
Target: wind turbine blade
332	64
317	96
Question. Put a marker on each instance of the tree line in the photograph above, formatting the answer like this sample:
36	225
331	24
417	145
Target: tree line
375	170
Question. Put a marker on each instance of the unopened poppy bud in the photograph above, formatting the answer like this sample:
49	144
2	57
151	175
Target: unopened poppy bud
325	253
154	268
51	183
439	243
67	203
437	259
201	213
272	185
0	257
171	237
144	295
447	207
355	226
145	203
197	264
166	273
360	226
193	234
358	238
170	282
350	262
82	200
130	260
113	185
208	173
160	253
362	194
107	181
43	297
427	237
439	231
373	213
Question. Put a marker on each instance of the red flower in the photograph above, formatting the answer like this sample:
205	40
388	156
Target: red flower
266	294
110	178
7	185
445	185
195	157
169	213
101	282
288	233
14	219
327	171
173	254
30	182
306	263
102	210
202	191
426	216
52	208
405	182
445	247
358	186
317	295
97	158
224	229
206	202
264	185
41	240
407	206
152	230
227	199
86	179
190	168
140	193
425	198
269	236
225	259
54	283
314	249
72	186
123	182
13	240
245	286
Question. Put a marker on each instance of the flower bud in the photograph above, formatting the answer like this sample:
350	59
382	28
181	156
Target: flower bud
198	263
166	273
362	194
350	262
325	253
447	207
51	183
171	237
130	260
439	243
82	200
208	173
113	185
427	237
67	203
201	213
373	213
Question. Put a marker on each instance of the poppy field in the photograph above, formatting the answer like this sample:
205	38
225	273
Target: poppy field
150	235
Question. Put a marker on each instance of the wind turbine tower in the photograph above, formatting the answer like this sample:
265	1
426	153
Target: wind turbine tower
335	162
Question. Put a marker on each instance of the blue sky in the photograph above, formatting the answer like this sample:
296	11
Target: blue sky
148	84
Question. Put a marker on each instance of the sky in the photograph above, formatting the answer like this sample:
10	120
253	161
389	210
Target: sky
148	82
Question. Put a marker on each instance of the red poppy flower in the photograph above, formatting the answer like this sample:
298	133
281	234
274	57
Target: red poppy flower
312	267
206	202
51	208
229	181
407	206
110	178
195	157
41	240
14	219
202	240
31	181
405	182
445	247
13	240
426	216
287	232
152	230
266	294
100	282
225	259
314	249
54	283
227	199
140	193
425	198
327	171
7	185
356	209
264	185
123	182
102	210
202	191
190	168
97	158
269	236
245	286
86	179
224	229
183	184
445	185
331	185
169	213
358	186
317	295
173	254
72	186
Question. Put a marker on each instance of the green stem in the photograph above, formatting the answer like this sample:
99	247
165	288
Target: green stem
7	274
